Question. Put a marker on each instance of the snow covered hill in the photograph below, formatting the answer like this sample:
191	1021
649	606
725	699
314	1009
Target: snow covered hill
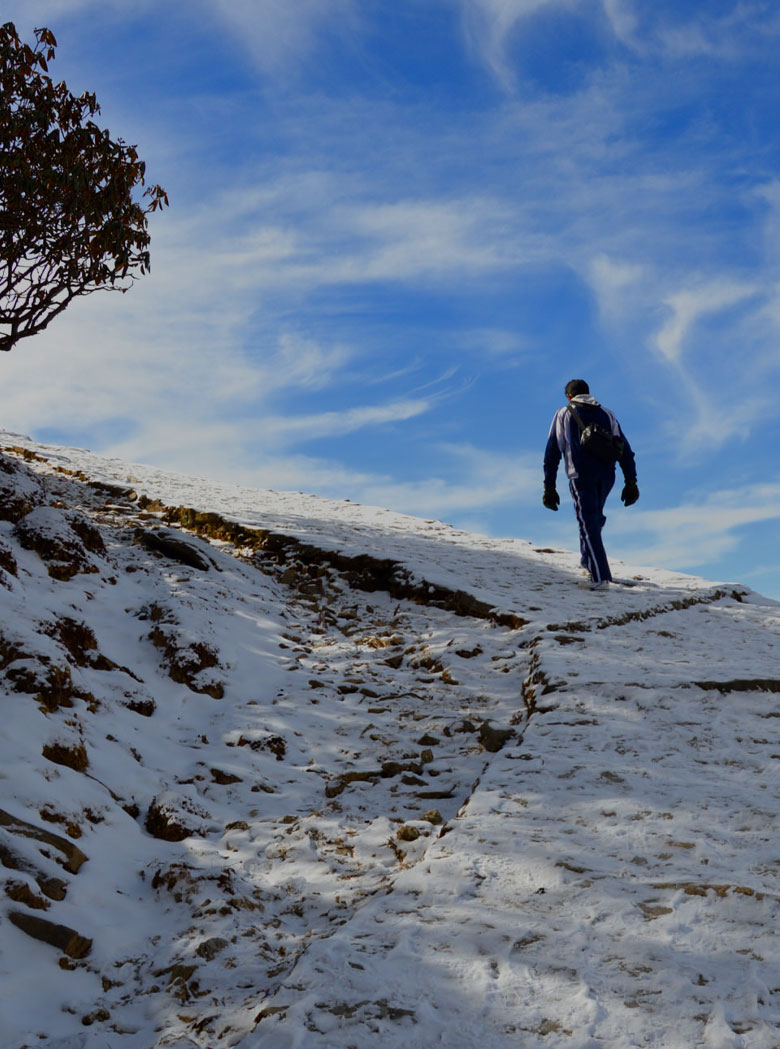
287	772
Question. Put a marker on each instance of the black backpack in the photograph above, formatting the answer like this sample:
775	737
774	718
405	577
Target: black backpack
598	442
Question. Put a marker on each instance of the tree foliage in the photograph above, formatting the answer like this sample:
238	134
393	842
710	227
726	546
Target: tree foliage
70	223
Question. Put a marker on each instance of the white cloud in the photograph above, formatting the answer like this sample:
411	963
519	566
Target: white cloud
615	284
499	344
281	33
485	480
414	238
303	363
48	12
730	36
277	34
298	234
694	534
677	33
283	430
489	25
165	377
623	19
769	192
689	305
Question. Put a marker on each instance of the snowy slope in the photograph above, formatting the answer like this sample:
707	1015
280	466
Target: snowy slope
305	773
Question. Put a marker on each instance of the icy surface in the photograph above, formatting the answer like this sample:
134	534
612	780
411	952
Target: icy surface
550	822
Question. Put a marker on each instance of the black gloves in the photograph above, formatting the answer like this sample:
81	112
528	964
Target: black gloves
551	499
630	493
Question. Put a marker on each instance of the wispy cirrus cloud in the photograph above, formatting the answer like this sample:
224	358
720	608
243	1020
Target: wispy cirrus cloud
622	18
280	34
675	34
284	430
489	24
277	34
695	533
301	233
616	284
690	305
201	410
743	28
479	481
37	12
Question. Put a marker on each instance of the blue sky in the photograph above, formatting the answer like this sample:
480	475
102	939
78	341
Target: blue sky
398	227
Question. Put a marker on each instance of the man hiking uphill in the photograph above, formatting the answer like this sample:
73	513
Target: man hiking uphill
589	438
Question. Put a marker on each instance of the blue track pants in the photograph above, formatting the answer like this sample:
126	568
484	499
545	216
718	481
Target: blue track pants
589	498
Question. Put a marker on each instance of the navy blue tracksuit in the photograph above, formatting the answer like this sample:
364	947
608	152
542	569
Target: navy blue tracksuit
590	481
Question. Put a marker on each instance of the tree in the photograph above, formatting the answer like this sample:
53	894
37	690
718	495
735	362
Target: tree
69	221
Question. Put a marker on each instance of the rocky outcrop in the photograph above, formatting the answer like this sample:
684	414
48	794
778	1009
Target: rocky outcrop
20	490
187	661
63	539
362	572
170	544
65	939
73	857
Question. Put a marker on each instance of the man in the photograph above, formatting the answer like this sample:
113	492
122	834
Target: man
590	478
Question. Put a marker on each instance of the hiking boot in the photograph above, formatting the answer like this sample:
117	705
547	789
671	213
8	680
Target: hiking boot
600	587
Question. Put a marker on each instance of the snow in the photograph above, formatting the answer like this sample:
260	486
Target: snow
550	824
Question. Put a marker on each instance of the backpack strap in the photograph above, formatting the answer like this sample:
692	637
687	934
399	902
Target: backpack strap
576	415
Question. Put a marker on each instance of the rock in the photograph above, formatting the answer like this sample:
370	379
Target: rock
224	779
335	787
64	539
54	888
54	690
178	984
187	660
395	768
492	738
96	1016
20	892
468	653
20	490
432	816
73	756
74	857
275	744
8	561
209	949
464	726
114	492
78	639
144	707
437	795
80	642
165	823
407	833
171	545
60	936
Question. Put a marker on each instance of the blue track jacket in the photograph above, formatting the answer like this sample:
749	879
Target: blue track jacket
564	441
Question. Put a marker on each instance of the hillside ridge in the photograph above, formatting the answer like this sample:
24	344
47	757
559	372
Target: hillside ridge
250	737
